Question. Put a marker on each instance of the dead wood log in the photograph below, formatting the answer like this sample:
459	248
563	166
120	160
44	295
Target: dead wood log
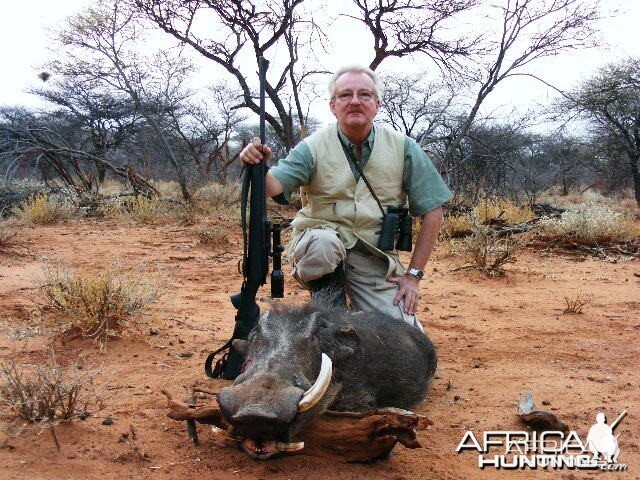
343	436
362	436
206	414
602	250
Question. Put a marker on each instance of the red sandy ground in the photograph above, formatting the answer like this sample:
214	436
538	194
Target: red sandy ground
496	338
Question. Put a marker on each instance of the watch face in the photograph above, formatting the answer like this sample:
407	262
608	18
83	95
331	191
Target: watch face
416	273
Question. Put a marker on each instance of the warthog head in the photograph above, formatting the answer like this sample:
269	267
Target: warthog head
283	382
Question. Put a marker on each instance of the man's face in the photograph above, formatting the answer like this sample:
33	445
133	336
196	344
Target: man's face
355	103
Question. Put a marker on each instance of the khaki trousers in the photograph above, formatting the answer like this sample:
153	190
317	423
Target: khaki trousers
317	252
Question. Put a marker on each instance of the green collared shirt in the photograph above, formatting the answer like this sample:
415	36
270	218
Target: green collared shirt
421	181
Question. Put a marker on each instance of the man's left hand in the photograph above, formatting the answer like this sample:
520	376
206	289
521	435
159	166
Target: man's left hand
409	290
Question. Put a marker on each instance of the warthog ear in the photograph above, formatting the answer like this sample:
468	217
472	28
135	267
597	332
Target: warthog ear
347	341
240	346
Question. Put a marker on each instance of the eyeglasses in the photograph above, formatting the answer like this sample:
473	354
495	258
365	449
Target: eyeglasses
362	95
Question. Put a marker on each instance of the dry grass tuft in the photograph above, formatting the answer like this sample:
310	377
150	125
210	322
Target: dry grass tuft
188	214
498	211
48	394
145	210
213	236
43	210
150	210
455	226
112	186
6	234
591	223
622	201
502	210
169	189
98	305
576	303
486	251
216	197
139	209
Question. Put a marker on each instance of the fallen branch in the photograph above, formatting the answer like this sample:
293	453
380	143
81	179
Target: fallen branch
600	250
345	436
209	415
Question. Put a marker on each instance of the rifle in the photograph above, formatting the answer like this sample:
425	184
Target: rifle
257	250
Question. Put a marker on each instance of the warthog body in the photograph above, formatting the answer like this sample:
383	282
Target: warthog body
377	362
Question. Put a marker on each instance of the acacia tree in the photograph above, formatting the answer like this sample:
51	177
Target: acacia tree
525	31
208	130
228	32
610	102
41	142
404	27
568	161
100	47
104	120
416	107
528	30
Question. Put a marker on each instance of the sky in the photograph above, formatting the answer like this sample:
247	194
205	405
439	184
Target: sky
25	37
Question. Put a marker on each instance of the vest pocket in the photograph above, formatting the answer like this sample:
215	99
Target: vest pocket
324	211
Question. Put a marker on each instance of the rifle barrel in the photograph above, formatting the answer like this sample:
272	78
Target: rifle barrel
620	417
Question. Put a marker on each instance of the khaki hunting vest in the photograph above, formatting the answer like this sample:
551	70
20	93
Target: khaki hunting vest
334	200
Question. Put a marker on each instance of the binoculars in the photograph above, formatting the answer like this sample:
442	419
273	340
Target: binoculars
396	221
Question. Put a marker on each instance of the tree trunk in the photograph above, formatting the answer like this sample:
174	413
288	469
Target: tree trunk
633	163
171	157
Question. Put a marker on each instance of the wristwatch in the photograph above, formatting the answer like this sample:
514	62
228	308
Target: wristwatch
414	272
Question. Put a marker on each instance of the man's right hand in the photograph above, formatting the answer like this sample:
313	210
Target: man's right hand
254	152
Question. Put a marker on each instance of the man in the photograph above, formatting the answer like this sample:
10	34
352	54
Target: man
335	236
601	440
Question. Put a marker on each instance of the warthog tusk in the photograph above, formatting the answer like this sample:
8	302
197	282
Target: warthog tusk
315	393
289	447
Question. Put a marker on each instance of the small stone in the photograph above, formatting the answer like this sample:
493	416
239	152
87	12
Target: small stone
107	421
456	398
546	402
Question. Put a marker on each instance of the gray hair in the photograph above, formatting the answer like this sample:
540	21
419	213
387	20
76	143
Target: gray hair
377	84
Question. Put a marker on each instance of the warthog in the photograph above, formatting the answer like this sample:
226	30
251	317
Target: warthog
300	362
